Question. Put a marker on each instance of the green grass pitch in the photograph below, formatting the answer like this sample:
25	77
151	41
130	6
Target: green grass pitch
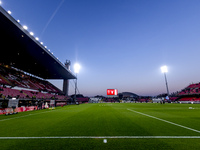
124	125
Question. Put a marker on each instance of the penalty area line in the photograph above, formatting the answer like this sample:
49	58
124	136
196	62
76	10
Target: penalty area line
165	121
103	137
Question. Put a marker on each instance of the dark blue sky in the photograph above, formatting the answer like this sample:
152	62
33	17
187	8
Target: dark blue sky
119	43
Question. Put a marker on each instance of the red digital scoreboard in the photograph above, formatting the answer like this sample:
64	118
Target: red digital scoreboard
112	92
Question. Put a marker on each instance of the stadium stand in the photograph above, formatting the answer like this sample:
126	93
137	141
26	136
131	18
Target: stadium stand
31	91
191	93
192	89
172	99
10	76
12	93
25	94
25	67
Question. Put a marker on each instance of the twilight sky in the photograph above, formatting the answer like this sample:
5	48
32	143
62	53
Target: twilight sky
119	43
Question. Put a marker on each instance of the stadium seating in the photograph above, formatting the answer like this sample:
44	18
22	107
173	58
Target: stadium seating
60	97
10	93
186	99
190	94
12	77
192	99
192	89
26	94
173	98
31	87
3	81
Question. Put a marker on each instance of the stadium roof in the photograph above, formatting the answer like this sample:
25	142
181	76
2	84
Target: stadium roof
21	50
129	94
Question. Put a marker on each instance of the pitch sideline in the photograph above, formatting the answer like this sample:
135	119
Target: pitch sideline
103	137
24	116
165	121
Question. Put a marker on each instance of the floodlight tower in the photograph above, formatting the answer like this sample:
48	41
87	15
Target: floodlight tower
165	70
76	70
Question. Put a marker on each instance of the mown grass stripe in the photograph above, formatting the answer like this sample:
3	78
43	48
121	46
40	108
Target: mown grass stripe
165	121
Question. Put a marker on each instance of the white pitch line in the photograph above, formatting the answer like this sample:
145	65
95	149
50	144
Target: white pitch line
23	116
103	137
165	121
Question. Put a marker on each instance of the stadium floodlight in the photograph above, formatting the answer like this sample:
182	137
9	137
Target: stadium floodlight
31	33
164	71
25	27
0	2
76	70
18	21
37	38
9	12
41	43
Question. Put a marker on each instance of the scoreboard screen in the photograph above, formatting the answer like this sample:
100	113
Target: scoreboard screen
112	92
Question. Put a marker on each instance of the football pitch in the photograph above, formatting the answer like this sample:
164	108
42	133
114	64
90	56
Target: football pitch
104	126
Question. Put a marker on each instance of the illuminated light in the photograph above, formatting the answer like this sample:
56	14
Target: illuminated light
164	69
37	38
31	33
25	27
0	2
41	43
9	12
52	53
18	21
49	50
76	68
45	46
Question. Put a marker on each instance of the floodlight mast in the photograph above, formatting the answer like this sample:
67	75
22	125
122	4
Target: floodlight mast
164	71
76	70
